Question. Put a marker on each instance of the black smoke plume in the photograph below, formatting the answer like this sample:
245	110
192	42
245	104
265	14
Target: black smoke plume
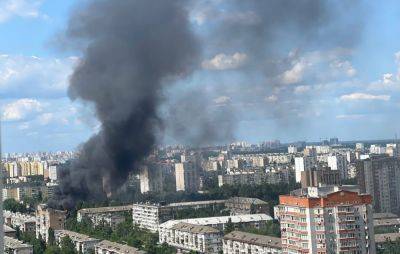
132	49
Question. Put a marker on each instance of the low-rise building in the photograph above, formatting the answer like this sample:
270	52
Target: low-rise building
382	239
83	243
149	216
248	220
241	177
25	222
242	242
107	247
244	205
9	231
14	246
46	218
112	215
189	237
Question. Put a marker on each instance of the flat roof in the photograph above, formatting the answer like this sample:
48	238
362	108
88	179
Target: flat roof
381	238
75	236
254	239
385	216
13	243
220	220
106	209
386	222
119	248
255	201
192	228
8	229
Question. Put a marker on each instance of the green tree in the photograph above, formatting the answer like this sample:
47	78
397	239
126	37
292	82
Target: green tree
229	227
67	246
52	238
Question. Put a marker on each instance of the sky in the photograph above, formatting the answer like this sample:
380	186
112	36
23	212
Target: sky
350	92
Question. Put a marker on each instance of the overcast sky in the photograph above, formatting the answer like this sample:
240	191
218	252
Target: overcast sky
350	91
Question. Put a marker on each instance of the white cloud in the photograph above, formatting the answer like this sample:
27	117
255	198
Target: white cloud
225	62
344	67
20	8
295	74
21	109
222	100
350	116
364	96
387	78
271	98
301	89
45	118
31	76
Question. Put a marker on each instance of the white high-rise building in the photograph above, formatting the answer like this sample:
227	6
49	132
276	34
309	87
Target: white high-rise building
338	162
328	219
292	149
304	163
376	149
360	147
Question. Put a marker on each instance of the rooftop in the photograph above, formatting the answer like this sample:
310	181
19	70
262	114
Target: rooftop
385	216
381	238
261	240
254	201
106	209
12	243
8	229
219	220
75	236
191	228
119	248
386	222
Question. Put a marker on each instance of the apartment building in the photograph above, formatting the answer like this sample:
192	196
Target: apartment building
241	177
14	246
107	247
242	242
149	216
186	176
83	243
328	219
244	205
302	164
315	178
112	215
379	176
25	222
339	162
187	237
151	178
248	220
46	218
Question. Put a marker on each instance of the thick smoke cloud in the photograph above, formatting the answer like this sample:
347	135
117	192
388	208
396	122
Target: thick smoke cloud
132	49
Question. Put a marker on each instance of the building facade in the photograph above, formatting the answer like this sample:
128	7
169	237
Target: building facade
14	246
107	247
242	242
379	176
243	205
189	237
149	216
326	220
46	218
112	215
304	163
83	243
